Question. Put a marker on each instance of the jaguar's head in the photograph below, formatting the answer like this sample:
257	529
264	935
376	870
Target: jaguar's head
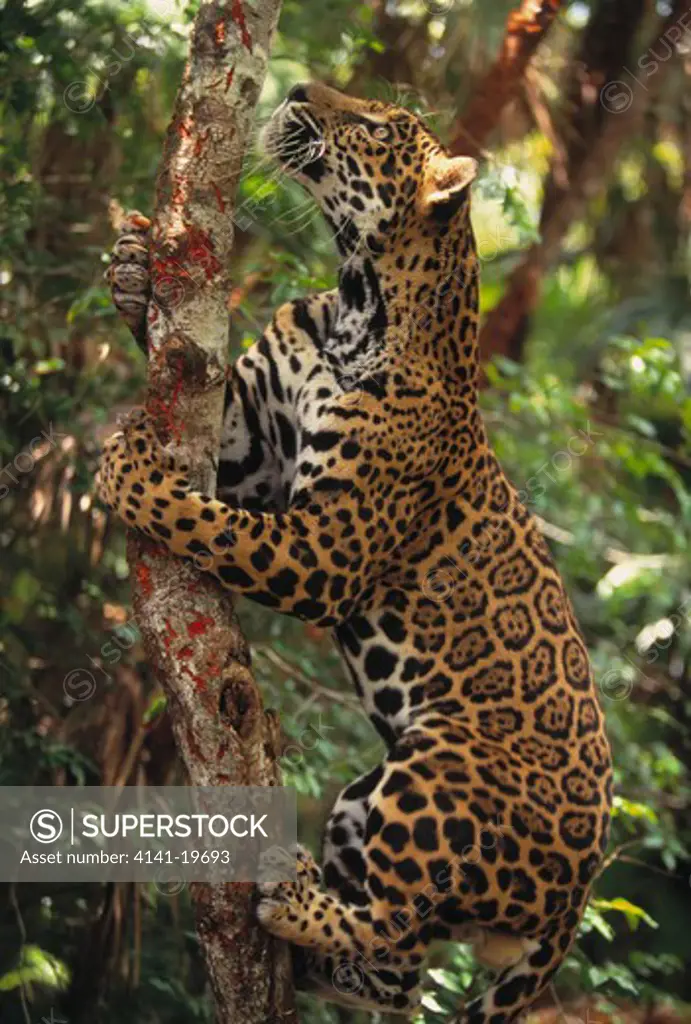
376	170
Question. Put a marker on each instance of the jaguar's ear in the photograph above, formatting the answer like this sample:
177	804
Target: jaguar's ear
446	183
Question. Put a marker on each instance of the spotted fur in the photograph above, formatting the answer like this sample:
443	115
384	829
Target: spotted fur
358	491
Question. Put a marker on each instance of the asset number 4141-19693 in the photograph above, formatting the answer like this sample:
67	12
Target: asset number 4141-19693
185	857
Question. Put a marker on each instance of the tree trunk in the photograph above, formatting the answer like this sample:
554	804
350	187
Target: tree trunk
192	639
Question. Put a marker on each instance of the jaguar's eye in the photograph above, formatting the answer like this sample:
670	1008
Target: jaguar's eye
380	132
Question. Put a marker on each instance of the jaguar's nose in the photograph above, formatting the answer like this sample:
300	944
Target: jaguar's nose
298	94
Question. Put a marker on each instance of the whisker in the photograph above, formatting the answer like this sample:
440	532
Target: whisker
298	218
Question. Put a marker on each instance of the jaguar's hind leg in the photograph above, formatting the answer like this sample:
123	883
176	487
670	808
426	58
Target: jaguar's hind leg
350	982
343	957
342	861
515	987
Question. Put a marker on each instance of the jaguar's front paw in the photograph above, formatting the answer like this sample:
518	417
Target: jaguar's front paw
128	273
133	467
113	468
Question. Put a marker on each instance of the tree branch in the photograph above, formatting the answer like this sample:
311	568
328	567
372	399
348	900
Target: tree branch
192	639
525	30
597	131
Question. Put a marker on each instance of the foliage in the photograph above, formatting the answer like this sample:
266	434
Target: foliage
594	426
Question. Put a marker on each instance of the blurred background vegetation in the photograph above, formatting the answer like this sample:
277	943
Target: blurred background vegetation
582	214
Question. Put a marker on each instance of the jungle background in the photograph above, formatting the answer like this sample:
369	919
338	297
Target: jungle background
583	217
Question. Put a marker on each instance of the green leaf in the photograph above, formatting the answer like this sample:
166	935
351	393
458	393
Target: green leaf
634	914
633	809
430	1003
36	966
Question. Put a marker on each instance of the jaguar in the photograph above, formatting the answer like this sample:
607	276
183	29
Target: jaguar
357	490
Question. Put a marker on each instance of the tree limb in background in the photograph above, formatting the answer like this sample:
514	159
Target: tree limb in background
192	639
599	123
525	30
685	205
